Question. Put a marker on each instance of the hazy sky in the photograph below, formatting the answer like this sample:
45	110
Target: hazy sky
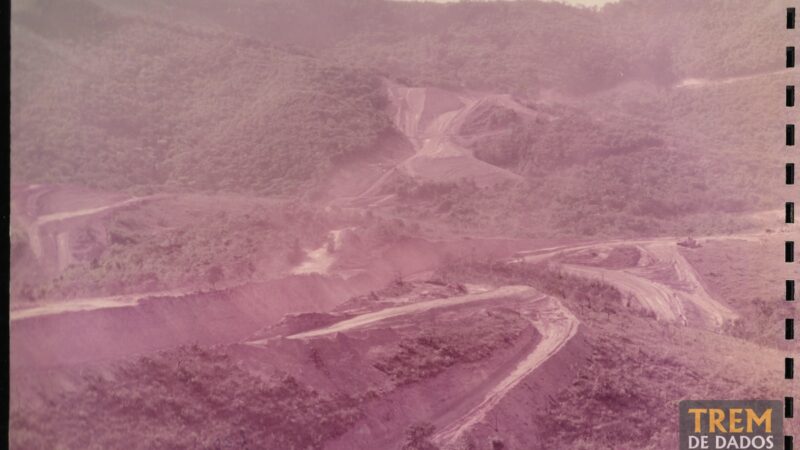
571	2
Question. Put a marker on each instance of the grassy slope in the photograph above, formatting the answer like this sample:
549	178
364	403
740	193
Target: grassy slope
626	394
750	277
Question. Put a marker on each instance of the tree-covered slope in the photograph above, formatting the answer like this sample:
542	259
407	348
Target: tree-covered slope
268	96
131	101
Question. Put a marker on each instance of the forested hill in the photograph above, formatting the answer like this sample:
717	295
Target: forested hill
512	46
115	101
269	97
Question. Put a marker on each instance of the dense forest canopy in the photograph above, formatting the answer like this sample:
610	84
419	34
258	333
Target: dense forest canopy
536	44
270	96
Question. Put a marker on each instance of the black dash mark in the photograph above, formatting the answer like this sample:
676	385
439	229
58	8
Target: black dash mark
788	409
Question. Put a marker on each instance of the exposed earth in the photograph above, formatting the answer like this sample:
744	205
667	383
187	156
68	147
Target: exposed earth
459	388
312	225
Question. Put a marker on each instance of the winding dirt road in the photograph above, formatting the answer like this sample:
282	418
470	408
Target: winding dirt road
34	230
365	320
663	281
556	324
48	308
431	119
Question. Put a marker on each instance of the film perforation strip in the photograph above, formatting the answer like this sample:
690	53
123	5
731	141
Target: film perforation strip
789	335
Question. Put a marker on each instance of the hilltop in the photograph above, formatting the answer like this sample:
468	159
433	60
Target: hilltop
291	99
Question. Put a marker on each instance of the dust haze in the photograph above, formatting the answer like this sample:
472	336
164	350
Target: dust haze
302	224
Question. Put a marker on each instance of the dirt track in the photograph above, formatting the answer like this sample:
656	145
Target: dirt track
367	319
663	281
35	229
91	304
550	318
557	326
430	119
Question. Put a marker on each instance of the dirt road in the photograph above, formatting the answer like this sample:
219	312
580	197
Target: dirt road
557	326
431	119
365	320
551	319
35	229
663	281
47	308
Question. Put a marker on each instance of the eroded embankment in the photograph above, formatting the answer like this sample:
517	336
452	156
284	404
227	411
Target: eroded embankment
555	324
431	119
100	332
663	281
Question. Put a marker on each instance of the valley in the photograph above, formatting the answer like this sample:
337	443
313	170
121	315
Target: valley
390	225
405	288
